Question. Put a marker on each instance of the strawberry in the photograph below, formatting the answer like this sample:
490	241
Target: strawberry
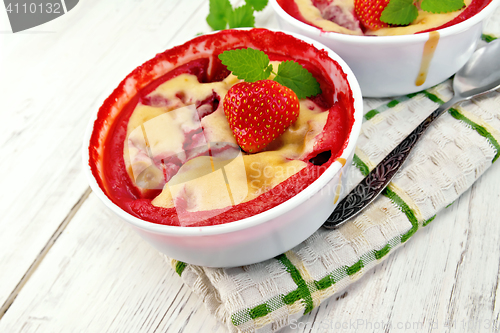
259	112
369	12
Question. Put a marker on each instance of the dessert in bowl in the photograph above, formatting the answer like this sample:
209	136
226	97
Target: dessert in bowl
162	155
392	60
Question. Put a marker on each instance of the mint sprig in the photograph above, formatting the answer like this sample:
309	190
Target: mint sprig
241	17
222	14
258	5
253	65
292	75
442	6
247	64
400	12
403	12
219	10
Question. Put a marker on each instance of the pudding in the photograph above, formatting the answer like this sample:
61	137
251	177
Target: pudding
163	151
340	16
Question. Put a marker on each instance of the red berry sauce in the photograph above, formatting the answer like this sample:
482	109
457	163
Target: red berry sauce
199	57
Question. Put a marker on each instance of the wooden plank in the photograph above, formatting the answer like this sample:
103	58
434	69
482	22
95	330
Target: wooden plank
52	81
43	253
100	276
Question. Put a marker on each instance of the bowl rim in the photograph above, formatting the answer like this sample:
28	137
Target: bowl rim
397	39
259	218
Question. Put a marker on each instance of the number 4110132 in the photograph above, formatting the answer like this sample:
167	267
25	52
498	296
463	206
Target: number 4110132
33	8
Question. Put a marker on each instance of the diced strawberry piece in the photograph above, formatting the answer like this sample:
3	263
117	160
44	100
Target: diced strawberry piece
342	17
337	12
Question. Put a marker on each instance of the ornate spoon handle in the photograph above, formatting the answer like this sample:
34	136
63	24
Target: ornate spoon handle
371	186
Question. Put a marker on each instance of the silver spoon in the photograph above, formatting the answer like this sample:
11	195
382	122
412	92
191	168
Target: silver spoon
480	75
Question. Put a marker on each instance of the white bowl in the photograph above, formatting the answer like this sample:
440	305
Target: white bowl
255	238
390	65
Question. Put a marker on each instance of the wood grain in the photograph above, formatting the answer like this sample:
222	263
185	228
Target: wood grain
49	91
100	276
68	265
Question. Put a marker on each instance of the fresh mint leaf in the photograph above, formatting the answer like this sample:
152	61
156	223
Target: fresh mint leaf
292	75
241	17
253	65
216	18
247	64
258	5
442	6
221	14
399	12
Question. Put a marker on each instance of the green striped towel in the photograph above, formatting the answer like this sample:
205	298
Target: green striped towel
451	156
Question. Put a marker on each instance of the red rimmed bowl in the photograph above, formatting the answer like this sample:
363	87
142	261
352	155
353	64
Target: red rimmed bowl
262	234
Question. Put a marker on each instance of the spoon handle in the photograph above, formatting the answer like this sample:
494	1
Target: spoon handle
376	181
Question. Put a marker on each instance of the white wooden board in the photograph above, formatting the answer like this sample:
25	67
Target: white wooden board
68	265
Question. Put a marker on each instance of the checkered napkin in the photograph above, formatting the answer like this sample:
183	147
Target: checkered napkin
453	153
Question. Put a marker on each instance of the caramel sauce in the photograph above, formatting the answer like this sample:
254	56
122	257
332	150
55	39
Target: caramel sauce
429	48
